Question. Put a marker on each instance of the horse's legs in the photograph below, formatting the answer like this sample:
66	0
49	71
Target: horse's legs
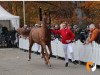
30	50
43	55
46	55
49	46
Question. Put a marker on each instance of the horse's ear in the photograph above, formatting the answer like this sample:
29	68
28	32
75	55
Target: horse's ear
40	13
44	19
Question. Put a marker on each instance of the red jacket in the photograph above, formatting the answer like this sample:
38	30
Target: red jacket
66	34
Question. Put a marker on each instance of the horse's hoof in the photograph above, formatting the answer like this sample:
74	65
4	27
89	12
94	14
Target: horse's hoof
29	59
49	66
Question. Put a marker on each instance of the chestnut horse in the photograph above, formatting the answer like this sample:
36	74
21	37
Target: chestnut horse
41	36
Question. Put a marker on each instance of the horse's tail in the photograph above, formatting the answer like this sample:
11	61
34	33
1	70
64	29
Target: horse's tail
24	31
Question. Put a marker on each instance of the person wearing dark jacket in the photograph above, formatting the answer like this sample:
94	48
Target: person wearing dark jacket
13	37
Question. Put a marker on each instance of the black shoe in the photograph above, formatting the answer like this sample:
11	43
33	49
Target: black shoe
66	65
37	53
74	62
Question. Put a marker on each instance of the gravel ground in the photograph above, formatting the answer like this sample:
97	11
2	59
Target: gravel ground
14	61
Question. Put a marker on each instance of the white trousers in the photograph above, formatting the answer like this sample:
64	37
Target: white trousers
68	50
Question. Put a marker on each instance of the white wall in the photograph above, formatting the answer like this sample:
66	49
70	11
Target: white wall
90	52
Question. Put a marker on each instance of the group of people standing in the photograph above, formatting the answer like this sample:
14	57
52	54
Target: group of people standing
68	36
9	37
